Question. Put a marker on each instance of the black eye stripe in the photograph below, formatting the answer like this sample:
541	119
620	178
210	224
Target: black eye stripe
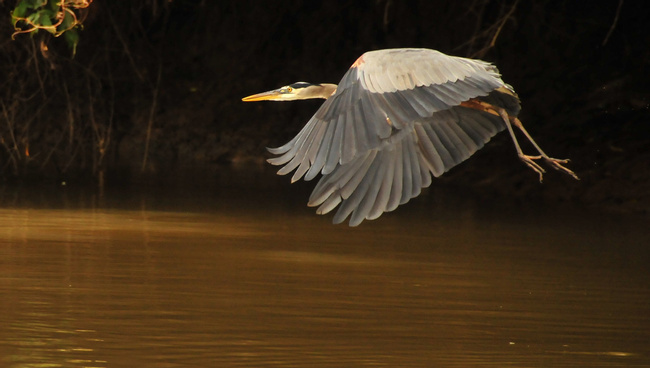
299	85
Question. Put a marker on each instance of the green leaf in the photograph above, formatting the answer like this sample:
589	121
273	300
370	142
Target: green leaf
34	18
46	21
54	5
39	3
32	4
20	11
66	23
72	38
45	18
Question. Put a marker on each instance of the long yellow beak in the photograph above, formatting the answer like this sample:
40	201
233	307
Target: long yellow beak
264	96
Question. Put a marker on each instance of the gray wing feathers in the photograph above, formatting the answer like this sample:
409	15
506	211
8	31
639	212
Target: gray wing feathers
374	183
452	136
381	179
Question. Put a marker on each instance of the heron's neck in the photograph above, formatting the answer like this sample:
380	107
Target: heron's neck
326	90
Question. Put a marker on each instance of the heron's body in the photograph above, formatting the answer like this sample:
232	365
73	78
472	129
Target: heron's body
396	117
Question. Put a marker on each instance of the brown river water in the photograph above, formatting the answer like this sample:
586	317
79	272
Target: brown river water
244	276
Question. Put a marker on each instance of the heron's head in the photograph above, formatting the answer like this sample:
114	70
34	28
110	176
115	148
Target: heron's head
295	91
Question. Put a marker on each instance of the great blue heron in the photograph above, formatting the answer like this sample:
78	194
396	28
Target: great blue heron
396	117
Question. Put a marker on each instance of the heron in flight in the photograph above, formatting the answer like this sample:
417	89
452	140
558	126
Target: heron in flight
396	117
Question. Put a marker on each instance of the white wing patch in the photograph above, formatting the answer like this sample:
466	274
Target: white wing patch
402	69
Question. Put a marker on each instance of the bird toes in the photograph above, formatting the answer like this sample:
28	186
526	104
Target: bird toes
529	160
557	165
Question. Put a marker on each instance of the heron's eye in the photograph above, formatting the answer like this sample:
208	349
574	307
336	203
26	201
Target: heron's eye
289	89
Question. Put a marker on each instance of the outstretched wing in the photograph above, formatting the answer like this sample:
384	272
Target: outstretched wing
390	175
394	117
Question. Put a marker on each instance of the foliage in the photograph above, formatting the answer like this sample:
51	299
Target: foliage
61	115
54	16
159	85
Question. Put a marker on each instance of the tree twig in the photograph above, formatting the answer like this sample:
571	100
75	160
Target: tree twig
152	112
611	29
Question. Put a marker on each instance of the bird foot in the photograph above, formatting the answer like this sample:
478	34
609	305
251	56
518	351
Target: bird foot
528	160
557	165
553	162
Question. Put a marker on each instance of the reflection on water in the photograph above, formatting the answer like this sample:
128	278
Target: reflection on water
238	282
